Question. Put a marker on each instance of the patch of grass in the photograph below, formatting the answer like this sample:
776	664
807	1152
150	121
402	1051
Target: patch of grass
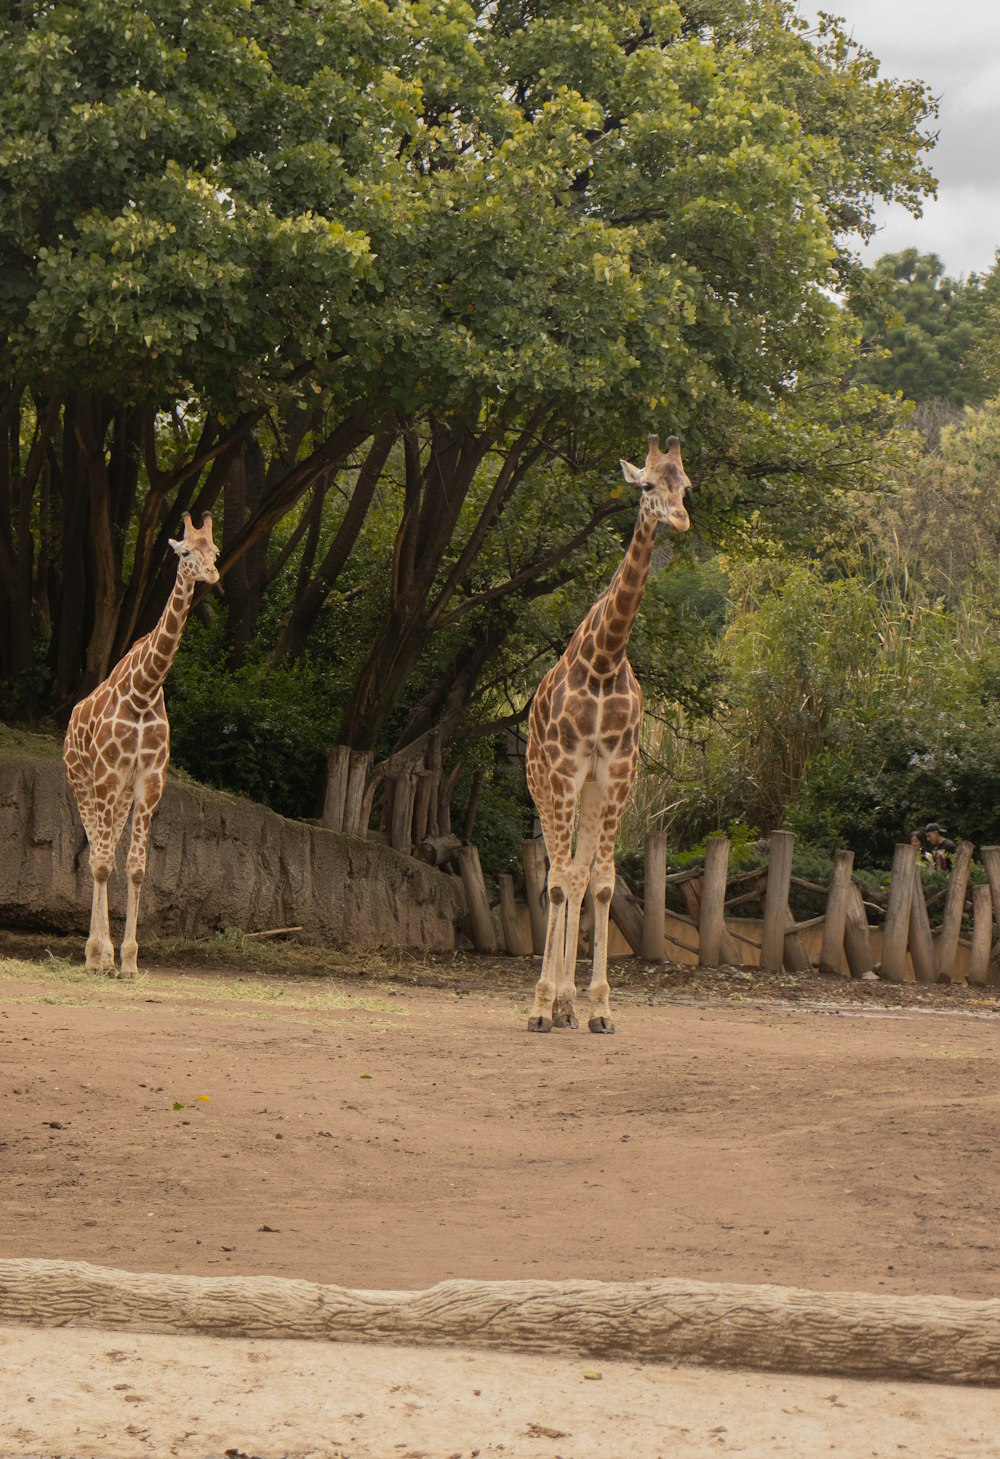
199	988
19	744
237	949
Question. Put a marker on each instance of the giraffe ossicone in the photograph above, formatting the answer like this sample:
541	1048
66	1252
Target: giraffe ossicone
117	750
583	743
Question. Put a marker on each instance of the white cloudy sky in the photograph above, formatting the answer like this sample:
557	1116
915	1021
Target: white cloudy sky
954	46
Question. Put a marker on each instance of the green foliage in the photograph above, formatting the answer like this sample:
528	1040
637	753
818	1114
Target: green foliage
259	733
922	330
482	229
855	708
945	519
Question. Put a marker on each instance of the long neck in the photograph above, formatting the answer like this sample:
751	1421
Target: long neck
156	652
611	618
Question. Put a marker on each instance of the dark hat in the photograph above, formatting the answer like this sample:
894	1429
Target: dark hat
933	826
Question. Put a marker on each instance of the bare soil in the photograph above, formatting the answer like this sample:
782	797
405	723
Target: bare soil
392	1126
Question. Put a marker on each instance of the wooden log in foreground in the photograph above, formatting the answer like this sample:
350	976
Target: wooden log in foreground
784	1329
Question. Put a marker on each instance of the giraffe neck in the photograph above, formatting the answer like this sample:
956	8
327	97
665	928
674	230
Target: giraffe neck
613	614
155	653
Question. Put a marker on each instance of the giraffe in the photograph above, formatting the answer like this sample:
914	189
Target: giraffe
583	743
117	750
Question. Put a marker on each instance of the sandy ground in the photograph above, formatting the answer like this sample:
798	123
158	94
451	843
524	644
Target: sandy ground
120	1396
391	1136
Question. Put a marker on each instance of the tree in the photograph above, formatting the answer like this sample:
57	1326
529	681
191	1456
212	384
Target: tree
922	331
410	276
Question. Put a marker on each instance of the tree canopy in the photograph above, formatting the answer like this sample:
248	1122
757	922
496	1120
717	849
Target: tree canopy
924	333
390	287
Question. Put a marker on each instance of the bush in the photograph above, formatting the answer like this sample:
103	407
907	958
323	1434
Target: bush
261	733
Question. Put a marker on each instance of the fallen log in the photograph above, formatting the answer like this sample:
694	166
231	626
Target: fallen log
784	1329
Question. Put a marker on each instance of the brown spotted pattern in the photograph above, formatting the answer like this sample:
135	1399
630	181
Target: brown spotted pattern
583	743
117	749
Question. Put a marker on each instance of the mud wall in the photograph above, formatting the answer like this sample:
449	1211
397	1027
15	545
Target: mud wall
215	861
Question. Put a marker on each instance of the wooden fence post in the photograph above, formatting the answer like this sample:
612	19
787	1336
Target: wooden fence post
711	920
990	857
779	880
831	956
626	913
897	914
654	897
794	957
920	937
535	874
401	825
357	808
857	938
515	941
982	937
484	935
951	923
337	764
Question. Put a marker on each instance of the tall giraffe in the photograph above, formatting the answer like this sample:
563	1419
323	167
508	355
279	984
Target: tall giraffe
118	747
583	742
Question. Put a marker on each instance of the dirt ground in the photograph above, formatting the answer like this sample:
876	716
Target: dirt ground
391	1128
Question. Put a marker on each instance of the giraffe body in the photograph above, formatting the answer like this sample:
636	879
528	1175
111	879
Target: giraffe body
117	750
583	743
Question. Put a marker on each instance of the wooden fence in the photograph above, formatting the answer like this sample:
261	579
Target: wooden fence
858	932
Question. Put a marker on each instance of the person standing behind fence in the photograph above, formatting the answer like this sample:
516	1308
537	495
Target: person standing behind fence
918	840
941	849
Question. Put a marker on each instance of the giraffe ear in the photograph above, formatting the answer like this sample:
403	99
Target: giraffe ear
631	473
177	546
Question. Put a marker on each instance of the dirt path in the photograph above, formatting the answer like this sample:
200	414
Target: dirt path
391	1136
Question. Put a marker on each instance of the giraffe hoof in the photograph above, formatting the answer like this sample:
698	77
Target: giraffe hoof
539	1025
601	1025
565	1020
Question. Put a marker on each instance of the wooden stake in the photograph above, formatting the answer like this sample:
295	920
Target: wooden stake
422	806
711	923
954	907
794	957
535	876
982	937
857	938
357	808
920	937
831	956
990	857
515	941
626	914
401	829
337	766
897	915
484	937
654	899
779	880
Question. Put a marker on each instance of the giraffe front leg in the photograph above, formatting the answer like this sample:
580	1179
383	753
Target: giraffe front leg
564	1011
541	1018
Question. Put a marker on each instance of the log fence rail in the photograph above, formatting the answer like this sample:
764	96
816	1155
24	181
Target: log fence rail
898	946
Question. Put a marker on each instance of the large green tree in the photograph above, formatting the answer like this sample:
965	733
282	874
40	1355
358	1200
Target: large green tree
405	279
924	333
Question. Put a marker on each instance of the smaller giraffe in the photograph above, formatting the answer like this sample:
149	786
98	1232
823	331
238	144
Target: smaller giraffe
117	750
583	743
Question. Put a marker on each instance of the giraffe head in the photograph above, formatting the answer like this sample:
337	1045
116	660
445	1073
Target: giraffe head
197	551
664	482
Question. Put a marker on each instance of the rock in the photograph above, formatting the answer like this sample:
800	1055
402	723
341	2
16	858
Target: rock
216	861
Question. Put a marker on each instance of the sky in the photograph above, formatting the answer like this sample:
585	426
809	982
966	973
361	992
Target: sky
953	46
